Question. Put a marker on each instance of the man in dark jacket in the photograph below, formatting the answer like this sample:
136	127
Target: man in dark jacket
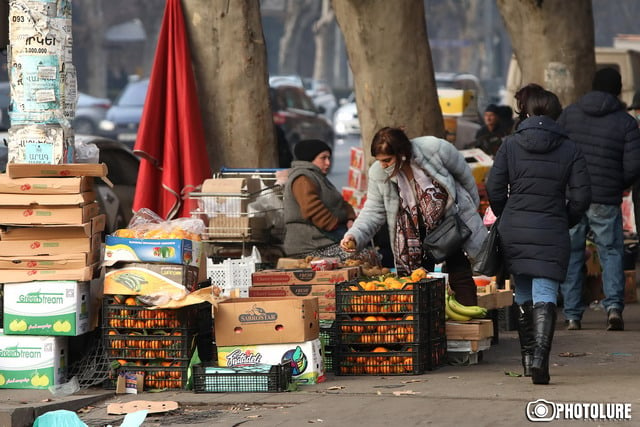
610	141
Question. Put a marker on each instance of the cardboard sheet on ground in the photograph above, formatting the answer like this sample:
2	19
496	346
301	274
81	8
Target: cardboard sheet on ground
139	405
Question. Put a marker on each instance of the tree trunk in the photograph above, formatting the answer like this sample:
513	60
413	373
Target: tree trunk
97	62
324	32
390	58
230	62
553	41
299	16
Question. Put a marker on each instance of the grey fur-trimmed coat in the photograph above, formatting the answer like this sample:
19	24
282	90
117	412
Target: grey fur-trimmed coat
442	161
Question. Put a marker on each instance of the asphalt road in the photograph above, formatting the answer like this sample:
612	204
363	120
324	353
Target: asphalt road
339	173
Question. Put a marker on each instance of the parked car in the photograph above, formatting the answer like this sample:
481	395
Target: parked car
90	111
345	120
322	95
318	90
123	118
298	117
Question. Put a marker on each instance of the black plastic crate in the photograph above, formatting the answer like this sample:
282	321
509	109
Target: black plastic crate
171	376
386	330
407	360
241	379
417	297
175	345
328	332
122	313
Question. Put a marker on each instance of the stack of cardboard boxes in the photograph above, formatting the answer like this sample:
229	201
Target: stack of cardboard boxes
356	192
251	331
50	244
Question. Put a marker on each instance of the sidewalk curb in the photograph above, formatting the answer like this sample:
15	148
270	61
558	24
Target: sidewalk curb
24	416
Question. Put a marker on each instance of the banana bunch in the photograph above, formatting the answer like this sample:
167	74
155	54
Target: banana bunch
456	311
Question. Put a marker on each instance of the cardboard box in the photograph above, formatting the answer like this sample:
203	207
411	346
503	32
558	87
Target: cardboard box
240	321
23	170
504	298
357	179
35	362
237	227
48	232
54	245
61	214
354	197
306	358
150	279
81	274
304	276
476	329
47	199
46	308
487	300
167	251
479	162
291	264
44	262
45	185
326	295
357	159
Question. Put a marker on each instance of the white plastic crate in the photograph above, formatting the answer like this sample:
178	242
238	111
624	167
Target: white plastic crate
232	275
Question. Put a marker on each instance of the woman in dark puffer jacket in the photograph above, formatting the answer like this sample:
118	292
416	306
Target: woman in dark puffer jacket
539	187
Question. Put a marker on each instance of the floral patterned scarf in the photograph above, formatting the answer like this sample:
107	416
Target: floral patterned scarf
422	205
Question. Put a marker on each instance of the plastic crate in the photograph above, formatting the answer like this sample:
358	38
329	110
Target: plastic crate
409	315
120	316
267	378
232	274
175	345
407	360
173	376
419	297
328	338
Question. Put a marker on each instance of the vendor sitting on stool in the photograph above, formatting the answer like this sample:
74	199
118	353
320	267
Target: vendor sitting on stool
315	214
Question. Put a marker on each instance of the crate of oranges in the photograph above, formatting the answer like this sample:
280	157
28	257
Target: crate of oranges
400	316
132	331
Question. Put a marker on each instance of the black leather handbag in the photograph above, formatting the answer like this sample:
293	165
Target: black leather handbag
489	261
446	238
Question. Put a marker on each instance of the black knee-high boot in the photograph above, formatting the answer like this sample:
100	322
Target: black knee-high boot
526	335
544	324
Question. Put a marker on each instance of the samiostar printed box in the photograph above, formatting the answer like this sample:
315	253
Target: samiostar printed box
46	308
32	361
252	321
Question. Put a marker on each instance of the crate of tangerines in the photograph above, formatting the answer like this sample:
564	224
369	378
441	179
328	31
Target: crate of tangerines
158	343
390	325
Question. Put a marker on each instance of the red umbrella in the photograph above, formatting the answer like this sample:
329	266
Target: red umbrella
171	140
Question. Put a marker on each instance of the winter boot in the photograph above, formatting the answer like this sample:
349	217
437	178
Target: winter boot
544	323
525	333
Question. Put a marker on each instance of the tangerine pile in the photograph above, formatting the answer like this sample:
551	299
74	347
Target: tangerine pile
384	361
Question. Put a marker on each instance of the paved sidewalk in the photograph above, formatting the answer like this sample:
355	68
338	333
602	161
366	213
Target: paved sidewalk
588	366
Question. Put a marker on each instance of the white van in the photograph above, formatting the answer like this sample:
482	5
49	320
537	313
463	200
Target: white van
626	61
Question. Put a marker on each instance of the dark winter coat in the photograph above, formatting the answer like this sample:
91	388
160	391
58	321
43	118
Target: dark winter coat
539	187
610	141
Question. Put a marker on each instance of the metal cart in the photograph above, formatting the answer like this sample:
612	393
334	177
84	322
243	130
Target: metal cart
236	222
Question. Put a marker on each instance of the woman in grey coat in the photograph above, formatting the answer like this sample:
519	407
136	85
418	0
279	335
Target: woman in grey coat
413	185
